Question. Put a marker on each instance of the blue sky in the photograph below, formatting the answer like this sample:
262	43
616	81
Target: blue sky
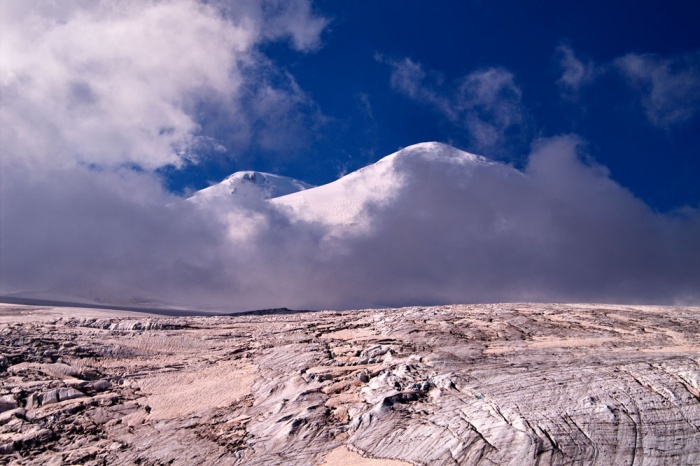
355	116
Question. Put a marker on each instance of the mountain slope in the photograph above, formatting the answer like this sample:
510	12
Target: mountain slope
351	199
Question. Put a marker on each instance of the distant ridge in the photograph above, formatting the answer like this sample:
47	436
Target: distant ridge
116	307
274	311
148	310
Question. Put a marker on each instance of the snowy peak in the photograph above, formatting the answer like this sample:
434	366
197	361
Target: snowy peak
345	201
252	184
352	199
271	185
434	152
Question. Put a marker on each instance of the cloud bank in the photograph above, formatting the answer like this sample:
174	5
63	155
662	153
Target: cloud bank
445	232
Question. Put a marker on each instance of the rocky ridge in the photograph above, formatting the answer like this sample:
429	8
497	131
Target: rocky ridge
480	384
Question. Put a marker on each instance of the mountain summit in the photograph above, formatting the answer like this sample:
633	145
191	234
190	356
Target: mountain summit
420	167
351	199
251	184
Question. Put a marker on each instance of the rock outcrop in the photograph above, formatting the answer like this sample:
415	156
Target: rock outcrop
483	384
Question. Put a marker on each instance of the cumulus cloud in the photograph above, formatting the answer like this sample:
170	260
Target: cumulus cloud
668	87
575	72
486	102
116	84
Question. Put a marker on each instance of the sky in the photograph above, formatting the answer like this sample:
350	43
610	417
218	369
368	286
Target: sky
389	74
113	112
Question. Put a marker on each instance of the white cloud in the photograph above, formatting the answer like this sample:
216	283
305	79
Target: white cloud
669	87
295	20
489	105
408	77
282	114
486	102
575	73
119	83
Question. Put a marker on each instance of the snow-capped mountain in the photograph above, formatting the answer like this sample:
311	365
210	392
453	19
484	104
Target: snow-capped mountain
350	199
250	185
